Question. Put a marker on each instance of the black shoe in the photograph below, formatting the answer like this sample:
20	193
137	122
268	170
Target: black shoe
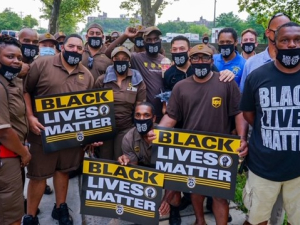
62	214
174	218
29	220
25	208
48	190
209	202
185	202
229	218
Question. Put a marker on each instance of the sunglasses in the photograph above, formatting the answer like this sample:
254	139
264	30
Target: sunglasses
277	15
90	62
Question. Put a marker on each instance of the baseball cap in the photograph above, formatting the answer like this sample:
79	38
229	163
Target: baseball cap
59	35
95	25
120	49
201	48
151	29
47	37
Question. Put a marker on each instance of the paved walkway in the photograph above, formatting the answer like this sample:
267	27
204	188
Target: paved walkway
73	201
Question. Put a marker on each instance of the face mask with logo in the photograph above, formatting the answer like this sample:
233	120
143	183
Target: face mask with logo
29	51
180	58
95	42
121	67
153	48
72	58
139	42
201	70
9	72
47	51
226	50
289	58
143	126
248	47
58	46
205	40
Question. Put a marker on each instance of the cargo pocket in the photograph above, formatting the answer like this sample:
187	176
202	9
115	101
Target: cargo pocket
247	196
130	96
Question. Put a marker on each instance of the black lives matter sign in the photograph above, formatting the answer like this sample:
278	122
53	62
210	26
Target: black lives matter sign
75	119
197	162
130	193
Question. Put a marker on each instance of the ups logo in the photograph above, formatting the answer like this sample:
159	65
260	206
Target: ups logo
200	46
216	102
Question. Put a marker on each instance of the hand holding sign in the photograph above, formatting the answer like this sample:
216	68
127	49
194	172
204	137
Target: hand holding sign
34	125
123	160
243	149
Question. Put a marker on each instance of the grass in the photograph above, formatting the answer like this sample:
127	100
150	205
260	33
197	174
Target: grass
238	199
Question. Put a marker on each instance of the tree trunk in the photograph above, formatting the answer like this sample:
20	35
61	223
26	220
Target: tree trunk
53	21
148	11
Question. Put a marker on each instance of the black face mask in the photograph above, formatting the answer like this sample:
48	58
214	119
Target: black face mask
95	42
201	70
226	50
58	46
121	67
139	42
248	47
153	48
289	58
72	58
205	40
29	51
143	126
180	58
9	72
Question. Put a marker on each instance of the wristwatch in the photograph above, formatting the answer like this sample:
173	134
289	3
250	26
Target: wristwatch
27	144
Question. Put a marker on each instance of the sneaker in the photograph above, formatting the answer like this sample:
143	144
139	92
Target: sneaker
48	190
174	218
62	214
29	220
25	208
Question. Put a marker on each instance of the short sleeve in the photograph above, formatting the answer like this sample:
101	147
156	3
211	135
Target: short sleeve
173	107
32	77
234	99
128	149
4	111
141	95
99	82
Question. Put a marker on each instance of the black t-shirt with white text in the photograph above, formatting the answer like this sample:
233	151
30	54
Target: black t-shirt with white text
274	146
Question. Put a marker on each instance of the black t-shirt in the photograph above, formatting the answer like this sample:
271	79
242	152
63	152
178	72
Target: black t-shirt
274	146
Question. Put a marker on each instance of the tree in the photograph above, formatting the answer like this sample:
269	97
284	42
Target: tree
146	8
173	27
29	21
230	20
251	22
64	15
10	20
264	9
111	24
199	29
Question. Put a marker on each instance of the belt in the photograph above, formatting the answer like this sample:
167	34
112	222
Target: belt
6	153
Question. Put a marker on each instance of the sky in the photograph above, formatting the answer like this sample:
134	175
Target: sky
186	10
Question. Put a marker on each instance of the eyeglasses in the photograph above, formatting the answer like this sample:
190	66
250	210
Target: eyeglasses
204	58
275	16
90	62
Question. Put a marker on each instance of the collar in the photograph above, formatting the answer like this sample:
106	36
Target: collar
58	63
266	56
220	58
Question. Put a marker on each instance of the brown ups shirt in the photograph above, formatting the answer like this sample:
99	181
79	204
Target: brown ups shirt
48	76
136	148
150	68
100	63
12	107
125	97
204	106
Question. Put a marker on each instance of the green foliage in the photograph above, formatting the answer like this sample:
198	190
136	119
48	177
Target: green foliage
71	12
182	27
10	20
240	184
265	9
42	30
110	25
29	21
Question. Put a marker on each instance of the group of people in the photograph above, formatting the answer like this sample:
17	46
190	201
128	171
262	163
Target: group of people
38	65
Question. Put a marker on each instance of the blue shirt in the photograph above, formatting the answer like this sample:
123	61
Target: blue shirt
235	65
253	63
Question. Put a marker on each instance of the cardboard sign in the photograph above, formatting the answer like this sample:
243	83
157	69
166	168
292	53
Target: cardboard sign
197	162
131	193
76	118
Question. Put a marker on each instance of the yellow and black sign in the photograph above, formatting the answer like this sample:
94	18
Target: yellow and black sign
76	119
197	162
130	193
